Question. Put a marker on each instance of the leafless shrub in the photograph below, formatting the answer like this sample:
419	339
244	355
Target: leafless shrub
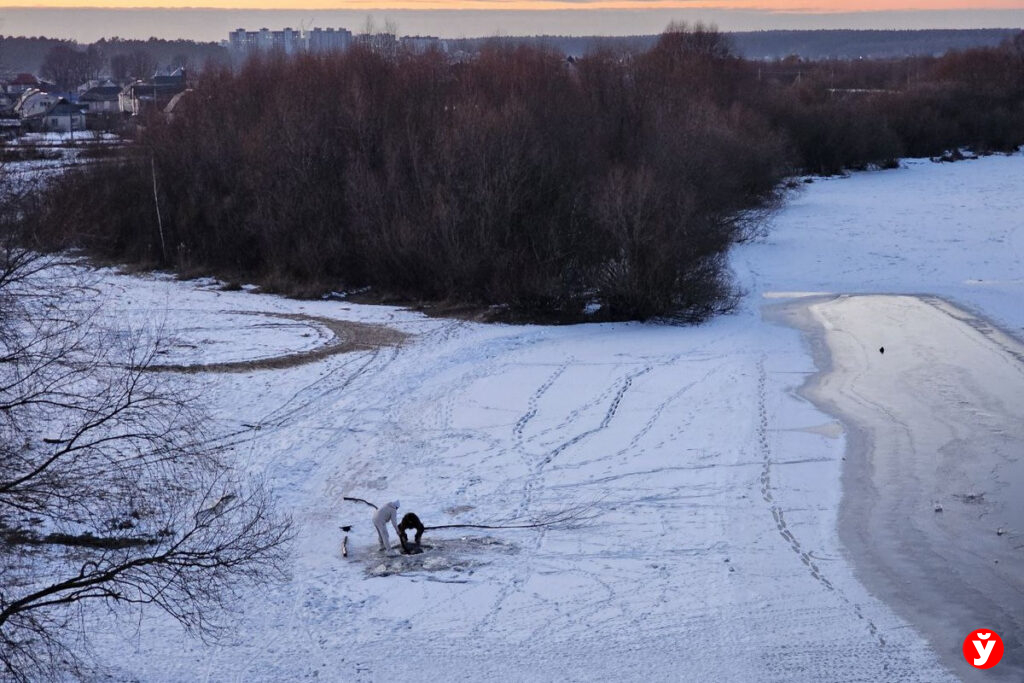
110	490
494	181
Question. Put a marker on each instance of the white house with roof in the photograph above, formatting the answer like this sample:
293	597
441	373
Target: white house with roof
102	99
63	117
34	103
153	94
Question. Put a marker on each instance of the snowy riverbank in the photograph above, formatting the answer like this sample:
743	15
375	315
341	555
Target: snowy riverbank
712	553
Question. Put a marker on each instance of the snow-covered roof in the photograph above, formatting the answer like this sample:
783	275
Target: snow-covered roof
102	93
63	108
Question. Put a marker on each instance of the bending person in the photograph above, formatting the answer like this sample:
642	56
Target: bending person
410	521
387	513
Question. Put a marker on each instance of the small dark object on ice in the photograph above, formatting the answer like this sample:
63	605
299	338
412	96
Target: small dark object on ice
881	349
344	542
411	549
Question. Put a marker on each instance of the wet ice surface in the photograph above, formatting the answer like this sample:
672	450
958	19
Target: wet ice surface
934	504
714	554
451	560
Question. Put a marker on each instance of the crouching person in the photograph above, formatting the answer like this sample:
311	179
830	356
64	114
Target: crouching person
409	522
386	513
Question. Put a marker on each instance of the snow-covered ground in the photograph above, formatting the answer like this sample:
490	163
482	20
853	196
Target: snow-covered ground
57	151
710	488
59	139
951	230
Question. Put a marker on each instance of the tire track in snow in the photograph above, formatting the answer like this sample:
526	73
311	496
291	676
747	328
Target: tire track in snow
299	403
322	388
520	579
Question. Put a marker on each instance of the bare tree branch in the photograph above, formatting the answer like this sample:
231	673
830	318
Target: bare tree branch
111	490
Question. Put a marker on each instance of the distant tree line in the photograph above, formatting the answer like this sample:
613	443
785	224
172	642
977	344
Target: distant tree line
849	114
67	67
68	64
769	45
864	44
612	184
121	58
26	55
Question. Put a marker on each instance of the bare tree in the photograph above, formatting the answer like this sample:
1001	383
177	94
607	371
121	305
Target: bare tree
120	67
141	63
700	39
111	490
69	67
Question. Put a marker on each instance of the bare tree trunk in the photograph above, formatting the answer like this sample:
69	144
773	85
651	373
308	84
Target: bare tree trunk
156	202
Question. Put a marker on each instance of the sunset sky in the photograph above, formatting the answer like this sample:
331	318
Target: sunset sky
813	6
89	20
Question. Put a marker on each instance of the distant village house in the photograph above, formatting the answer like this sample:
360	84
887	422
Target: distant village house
102	99
63	117
154	94
22	83
34	103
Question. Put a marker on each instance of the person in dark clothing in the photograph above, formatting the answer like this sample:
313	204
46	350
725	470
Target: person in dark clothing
410	521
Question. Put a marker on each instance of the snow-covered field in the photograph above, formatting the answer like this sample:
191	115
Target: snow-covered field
59	152
711	490
59	139
950	230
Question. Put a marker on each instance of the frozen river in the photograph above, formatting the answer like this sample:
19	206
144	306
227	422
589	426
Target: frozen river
716	544
933	500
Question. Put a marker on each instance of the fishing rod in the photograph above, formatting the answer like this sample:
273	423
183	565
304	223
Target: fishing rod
558	519
360	500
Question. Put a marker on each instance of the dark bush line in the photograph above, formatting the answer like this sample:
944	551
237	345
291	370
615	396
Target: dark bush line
17	154
848	115
20	537
610	184
100	152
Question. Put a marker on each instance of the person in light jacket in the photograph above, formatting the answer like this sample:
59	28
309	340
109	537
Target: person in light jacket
386	513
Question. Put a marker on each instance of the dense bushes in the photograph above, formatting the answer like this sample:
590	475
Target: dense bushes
851	114
515	178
